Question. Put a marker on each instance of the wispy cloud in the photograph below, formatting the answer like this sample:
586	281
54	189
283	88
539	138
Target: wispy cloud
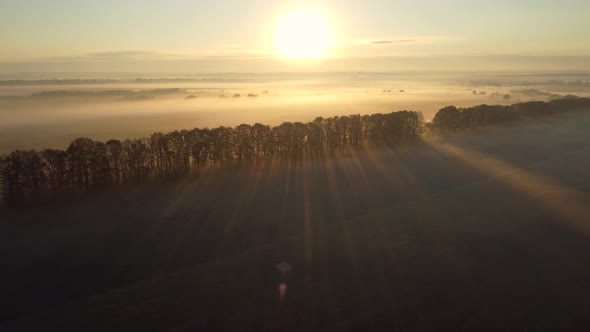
130	54
229	51
120	55
391	41
396	41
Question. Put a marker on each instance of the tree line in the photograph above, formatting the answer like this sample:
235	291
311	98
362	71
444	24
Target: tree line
451	118
88	164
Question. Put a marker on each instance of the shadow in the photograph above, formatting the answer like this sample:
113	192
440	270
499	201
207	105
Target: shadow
456	234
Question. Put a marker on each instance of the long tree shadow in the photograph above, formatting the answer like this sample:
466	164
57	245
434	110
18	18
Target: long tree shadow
441	236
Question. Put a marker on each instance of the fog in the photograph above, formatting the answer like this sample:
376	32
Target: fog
50	113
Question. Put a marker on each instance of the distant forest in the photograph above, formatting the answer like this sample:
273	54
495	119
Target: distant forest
88	165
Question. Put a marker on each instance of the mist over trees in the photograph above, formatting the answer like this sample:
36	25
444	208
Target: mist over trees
89	165
451	118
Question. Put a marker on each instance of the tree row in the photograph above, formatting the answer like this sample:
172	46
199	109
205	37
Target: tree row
451	118
87	164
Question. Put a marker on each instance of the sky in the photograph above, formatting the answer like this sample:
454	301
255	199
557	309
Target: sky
226	35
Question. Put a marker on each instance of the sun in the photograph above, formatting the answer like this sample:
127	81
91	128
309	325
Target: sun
303	34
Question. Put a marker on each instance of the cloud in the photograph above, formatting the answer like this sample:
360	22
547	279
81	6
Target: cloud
128	54
397	41
120	55
157	55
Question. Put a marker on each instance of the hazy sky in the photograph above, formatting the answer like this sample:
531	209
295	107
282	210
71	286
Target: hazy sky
224	34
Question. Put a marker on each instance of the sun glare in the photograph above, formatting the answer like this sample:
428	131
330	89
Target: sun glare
303	34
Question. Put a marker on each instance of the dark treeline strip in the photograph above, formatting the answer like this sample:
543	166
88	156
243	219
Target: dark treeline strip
93	81
56	82
451	118
87	165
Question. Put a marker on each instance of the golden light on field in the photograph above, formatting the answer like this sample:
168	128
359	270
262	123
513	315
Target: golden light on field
303	34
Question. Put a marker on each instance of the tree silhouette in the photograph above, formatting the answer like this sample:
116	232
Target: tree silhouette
447	118
56	169
23	175
86	164
79	155
114	151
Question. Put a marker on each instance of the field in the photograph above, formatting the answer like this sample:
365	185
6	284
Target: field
51	113
485	230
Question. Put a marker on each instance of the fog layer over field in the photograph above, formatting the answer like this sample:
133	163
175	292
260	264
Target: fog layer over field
48	112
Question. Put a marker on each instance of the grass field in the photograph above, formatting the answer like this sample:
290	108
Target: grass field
486	230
